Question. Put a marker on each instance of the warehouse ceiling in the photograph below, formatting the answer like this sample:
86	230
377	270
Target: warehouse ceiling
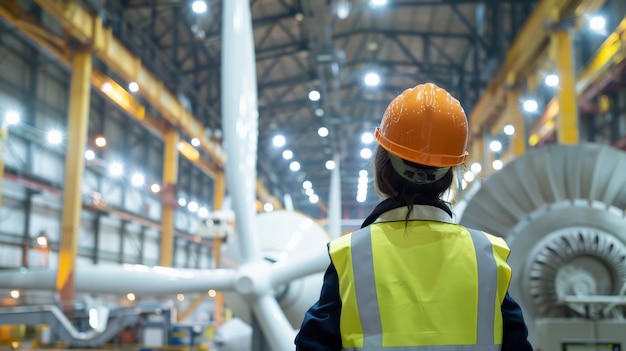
328	46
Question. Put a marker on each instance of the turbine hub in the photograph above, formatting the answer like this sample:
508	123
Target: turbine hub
253	279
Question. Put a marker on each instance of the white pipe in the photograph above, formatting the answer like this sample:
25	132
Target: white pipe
608	299
137	279
240	121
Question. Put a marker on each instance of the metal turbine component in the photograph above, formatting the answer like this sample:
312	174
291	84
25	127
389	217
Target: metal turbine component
561	210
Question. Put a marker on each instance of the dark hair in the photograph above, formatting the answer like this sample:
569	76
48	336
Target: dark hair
390	184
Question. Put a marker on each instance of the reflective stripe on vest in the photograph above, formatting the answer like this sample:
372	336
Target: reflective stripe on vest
367	301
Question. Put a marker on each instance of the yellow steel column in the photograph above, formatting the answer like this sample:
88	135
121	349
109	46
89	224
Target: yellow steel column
170	180
218	201
567	121
517	120
78	121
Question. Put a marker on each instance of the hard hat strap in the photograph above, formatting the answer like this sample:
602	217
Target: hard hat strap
417	175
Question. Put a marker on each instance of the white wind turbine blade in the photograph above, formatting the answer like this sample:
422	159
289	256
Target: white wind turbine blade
277	330
240	123
286	271
240	120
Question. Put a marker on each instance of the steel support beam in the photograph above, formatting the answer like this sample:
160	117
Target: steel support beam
89	30
78	120
170	180
567	120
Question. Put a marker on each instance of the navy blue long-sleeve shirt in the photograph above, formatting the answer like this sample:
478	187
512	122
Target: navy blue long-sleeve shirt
320	327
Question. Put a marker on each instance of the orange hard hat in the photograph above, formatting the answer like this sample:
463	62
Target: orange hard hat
425	125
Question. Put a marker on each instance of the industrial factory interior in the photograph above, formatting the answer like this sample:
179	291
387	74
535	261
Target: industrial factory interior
172	171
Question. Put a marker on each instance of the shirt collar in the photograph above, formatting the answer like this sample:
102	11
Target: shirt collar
419	213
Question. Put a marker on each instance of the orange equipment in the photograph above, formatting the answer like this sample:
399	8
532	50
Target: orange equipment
425	125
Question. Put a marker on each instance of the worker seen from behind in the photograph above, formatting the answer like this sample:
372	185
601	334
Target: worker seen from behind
410	278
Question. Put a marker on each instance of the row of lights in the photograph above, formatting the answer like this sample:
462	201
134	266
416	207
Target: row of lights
366	153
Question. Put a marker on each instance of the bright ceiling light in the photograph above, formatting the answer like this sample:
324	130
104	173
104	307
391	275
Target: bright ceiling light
195	142
287	154
307	184
323	132
15	294
294	166
203	212
90	155
497	164
279	141
101	141
367	137
551	80
319	112
378	2
509	129
363	173
314	95
133	87
137	179
199	6
130	297
309	192
597	23
476	167
371	79
268	207
366	153
360	198
182	202
155	188
363	180
468	176
495	146
54	137
314	198
11	117
116	169
192	206
530	105
330	164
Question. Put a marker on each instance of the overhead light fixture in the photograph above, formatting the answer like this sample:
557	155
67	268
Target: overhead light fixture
90	155
363	173
307	184
495	146
551	80
54	137
137	179
530	105
199	6
182	202
100	141
323	132
367	137
330	164
378	2
155	188
268	207
314	95
133	87
342	8
279	141
366	153
468	176
597	23
192	206
11	117
509	129
287	154
203	212
497	164
309	192
116	169
294	166
195	142
371	79
314	199
476	167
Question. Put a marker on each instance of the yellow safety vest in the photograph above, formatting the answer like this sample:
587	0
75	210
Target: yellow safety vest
424	285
